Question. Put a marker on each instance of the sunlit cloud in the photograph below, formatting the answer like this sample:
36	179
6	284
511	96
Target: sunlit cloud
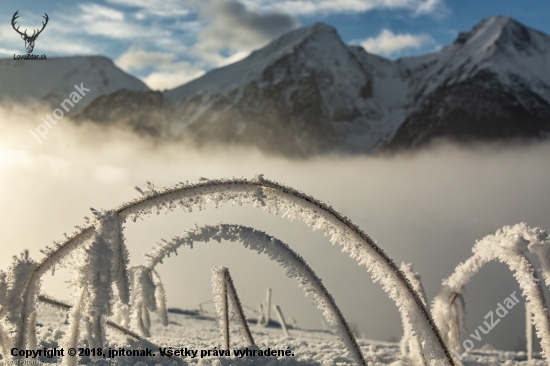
388	43
169	79
139	59
167	73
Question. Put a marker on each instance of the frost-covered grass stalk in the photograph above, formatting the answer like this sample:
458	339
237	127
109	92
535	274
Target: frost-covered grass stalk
508	245
279	313
411	345
147	295
19	289
66	307
97	267
238	313
267	308
20	286
278	251
529	331
276	198
219	288
260	192
224	291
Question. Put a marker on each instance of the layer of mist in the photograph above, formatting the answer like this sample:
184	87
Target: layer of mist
427	208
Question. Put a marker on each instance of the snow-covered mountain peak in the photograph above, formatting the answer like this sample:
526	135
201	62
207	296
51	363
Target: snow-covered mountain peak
319	32
496	46
312	39
502	34
52	80
308	92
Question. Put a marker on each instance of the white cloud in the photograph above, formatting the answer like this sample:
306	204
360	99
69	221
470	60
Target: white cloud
162	8
168	73
138	60
387	43
431	6
234	29
94	12
161	80
238	56
310	7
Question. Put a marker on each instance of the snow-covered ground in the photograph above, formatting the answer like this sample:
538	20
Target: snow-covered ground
187	329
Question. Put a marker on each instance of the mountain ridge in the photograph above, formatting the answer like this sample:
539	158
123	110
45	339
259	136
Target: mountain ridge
52	80
307	92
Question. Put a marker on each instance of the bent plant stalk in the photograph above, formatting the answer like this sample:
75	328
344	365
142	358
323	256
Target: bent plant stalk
276	197
238	309
276	250
508	246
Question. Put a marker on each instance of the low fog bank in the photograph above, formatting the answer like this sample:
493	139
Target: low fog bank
427	208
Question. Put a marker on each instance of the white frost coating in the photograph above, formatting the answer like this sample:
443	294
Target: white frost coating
121	314
160	298
508	246
220	301
93	274
411	345
529	331
147	295
142	296
6	342
71	337
267	308
64	306
238	313
19	289
276	198
449	313
278	251
120	261
279	313
297	205
415	280
219	290
539	244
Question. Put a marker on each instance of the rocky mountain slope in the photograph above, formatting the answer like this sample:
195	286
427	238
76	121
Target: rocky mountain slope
491	83
307	92
51	81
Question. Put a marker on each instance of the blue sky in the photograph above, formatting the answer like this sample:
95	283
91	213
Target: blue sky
169	42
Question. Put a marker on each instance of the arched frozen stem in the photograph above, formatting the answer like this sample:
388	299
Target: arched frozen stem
294	204
278	251
19	288
508	246
297	205
25	337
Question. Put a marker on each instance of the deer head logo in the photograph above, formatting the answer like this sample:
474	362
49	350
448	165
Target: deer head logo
29	40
